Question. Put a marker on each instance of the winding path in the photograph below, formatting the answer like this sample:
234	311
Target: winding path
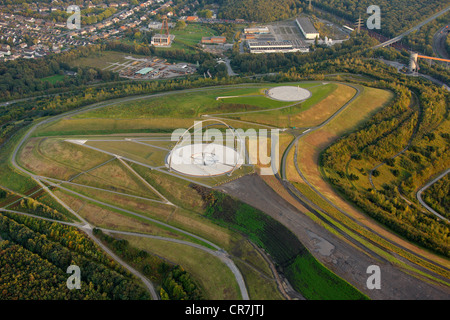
311	206
86	227
415	101
429	184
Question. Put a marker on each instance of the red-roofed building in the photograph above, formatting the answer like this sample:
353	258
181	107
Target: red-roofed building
192	18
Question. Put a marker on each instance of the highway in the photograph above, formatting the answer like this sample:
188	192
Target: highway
415	28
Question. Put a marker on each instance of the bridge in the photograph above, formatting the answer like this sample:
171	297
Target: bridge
417	27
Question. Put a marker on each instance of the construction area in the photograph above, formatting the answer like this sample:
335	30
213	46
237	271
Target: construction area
150	68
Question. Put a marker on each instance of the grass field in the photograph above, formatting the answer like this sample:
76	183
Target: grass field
213	276
47	153
326	100
314	143
9	176
114	176
303	271
259	287
323	285
190	36
54	79
194	104
103	59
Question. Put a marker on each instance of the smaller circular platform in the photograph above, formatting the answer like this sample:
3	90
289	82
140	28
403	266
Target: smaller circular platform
288	93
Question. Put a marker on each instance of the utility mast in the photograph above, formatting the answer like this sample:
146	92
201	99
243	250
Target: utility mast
359	24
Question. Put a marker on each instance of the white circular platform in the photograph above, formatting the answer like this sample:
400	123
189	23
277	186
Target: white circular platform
288	93
203	160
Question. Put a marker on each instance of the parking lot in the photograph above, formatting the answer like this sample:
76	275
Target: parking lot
283	31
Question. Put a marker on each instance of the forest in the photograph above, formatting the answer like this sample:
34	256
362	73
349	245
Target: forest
382	137
397	16
422	40
173	281
27	76
259	10
35	255
438	196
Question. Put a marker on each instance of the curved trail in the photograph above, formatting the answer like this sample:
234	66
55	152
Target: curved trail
220	254
85	225
102	104
429	184
283	161
88	230
416	101
305	201
439	39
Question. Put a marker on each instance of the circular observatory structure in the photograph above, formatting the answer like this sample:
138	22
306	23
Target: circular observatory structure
199	158
288	93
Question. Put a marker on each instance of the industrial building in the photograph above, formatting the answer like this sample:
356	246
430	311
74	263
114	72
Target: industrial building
257	30
307	28
162	40
144	71
274	47
214	40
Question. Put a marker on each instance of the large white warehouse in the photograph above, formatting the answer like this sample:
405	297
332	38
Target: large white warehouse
307	28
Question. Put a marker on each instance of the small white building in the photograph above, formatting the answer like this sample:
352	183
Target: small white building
274	47
257	30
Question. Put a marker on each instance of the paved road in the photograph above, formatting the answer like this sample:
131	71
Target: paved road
306	132
439	40
220	254
419	194
303	199
230	71
60	182
400	66
345	259
415	28
293	191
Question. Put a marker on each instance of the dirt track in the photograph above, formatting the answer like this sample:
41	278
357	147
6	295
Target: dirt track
338	255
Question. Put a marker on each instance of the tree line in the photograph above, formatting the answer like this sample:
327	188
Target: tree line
173	281
33	264
438	196
380	138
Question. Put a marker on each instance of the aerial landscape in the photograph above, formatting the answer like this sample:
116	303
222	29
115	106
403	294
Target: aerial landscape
236	151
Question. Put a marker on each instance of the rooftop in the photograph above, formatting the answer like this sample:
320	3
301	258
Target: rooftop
306	24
